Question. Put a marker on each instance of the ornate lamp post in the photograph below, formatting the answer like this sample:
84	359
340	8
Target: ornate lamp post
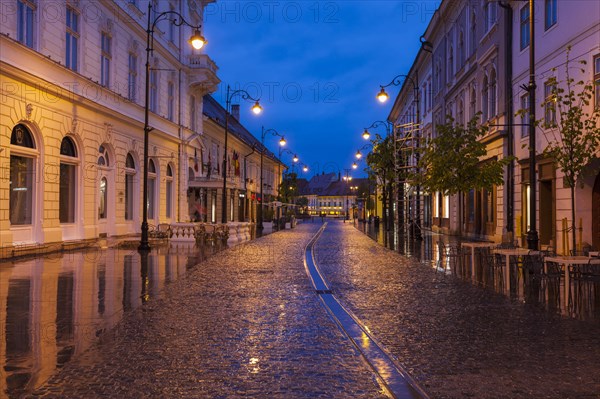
197	41
382	96
257	109
281	152
282	142
347	178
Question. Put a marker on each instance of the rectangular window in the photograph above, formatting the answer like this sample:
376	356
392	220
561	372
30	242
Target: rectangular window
105	58
169	202
550	13
132	78
525	115
153	91
491	15
151	193
193	113
129	196
524	26
550	106
67	193
21	190
171	101
597	80
25	21
72	39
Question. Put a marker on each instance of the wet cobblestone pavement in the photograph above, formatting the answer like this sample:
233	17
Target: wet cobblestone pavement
458	340
245	323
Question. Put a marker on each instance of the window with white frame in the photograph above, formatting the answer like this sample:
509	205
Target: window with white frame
26	21
130	172
151	189
105	59
550	13
23	155
450	64
169	192
132	78
68	176
525	115
524	26
72	36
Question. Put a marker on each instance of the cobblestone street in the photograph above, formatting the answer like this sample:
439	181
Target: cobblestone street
458	340
245	323
248	323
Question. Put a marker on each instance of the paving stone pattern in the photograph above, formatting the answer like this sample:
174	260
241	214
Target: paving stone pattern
456	339
244	324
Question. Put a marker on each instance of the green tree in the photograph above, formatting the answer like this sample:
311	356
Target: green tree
302	202
289	188
381	163
574	134
451	163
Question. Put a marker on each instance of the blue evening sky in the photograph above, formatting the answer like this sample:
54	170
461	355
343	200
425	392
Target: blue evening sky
316	66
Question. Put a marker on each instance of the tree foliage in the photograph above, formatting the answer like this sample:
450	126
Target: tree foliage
572	130
289	188
453	161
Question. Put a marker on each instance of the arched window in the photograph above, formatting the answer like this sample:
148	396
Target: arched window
68	175
130	172
169	192
151	189
493	92
103	159
22	175
485	99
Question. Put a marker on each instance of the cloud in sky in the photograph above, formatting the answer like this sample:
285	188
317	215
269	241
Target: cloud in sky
316	65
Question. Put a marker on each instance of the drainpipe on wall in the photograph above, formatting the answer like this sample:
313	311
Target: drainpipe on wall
508	107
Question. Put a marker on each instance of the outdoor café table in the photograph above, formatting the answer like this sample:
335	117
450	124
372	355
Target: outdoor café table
472	246
594	254
507	253
565	262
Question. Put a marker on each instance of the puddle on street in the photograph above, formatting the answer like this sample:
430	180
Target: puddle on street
580	301
55	306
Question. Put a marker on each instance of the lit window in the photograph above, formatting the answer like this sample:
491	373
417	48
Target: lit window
491	14
550	105
102	210
22	176
67	187
151	189
130	172
169	192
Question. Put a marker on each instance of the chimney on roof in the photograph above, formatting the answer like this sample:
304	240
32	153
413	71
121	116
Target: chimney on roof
235	111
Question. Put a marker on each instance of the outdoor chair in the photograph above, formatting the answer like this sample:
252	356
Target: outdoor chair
163	231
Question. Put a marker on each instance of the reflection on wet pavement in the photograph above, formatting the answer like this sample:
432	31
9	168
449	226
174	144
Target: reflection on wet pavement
582	298
56	306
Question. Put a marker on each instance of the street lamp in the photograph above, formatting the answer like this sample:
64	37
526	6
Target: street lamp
282	142
282	151
382	96
256	109
354	165
197	41
366	135
358	154
347	178
305	168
